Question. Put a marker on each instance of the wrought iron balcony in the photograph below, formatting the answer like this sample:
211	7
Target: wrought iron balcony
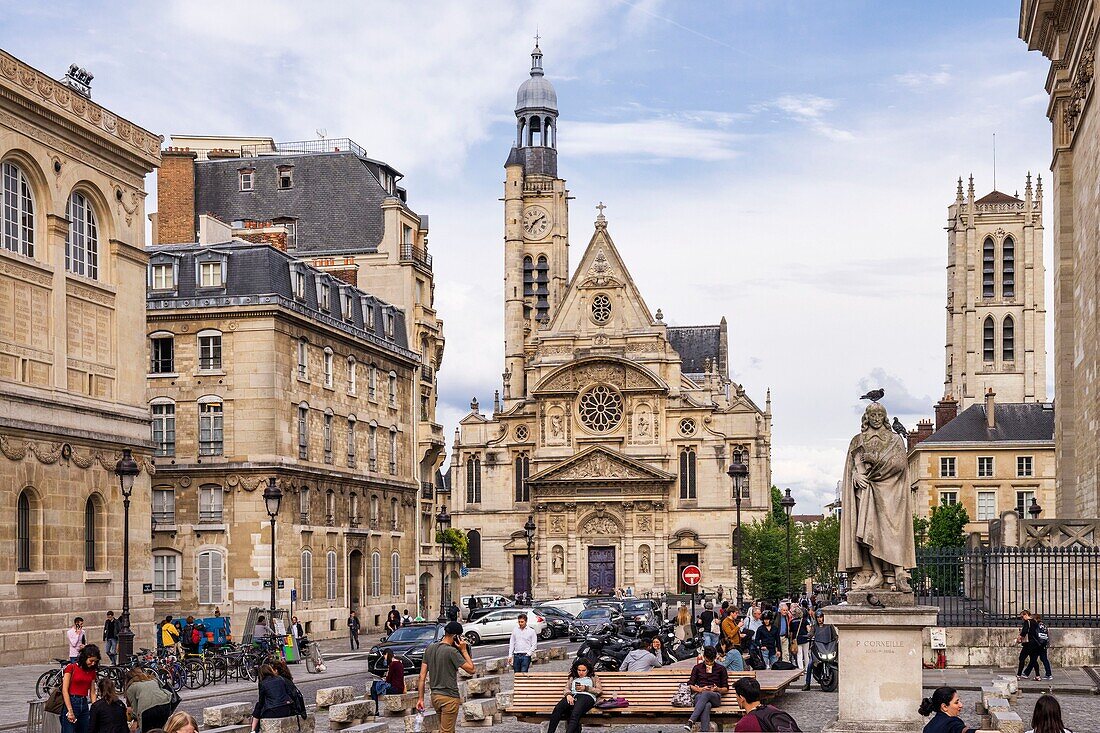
427	490
412	253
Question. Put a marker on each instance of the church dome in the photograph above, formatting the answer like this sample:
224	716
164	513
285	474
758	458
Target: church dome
537	92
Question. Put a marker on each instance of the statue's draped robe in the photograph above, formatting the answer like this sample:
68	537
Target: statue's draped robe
879	517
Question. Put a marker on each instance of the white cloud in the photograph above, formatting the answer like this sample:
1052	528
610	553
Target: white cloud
810	110
924	79
652	138
898	399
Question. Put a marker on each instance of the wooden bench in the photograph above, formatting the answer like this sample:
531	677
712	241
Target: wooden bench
535	694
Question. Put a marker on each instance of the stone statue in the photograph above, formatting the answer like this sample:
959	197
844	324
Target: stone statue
558	560
643	563
556	425
876	526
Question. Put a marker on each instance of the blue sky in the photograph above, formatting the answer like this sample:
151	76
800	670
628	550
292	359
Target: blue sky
785	164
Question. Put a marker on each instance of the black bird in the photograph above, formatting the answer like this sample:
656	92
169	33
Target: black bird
874	395
900	429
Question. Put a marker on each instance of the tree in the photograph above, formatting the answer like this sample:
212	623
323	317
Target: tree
920	531
765	558
777	508
946	527
456	540
821	550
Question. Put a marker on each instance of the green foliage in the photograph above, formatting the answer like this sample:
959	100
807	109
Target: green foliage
920	531
821	549
777	508
765	558
946	526
456	540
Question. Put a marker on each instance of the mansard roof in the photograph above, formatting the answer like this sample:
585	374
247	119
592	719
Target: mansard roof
696	344
996	197
1016	422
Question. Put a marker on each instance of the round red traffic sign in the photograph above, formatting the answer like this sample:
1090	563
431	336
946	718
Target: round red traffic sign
691	574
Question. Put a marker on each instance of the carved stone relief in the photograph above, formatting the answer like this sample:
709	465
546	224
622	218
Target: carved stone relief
601	525
645	523
557	524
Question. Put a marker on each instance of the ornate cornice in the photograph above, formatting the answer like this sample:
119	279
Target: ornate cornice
51	453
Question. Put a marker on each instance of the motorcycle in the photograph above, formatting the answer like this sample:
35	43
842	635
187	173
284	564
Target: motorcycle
675	650
606	650
824	649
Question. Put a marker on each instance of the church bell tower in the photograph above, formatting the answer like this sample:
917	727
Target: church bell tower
536	226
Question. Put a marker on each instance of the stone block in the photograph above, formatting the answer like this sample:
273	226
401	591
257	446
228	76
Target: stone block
380	726
504	700
496	666
231	713
293	724
996	703
541	656
557	652
349	712
429	722
412	683
1007	721
479	669
479	687
389	704
239	728
327	696
479	712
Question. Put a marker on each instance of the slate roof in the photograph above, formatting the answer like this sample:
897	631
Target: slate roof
1016	422
336	197
254	270
696	344
996	197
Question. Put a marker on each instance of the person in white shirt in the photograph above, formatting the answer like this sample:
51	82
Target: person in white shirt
522	644
752	623
76	639
644	659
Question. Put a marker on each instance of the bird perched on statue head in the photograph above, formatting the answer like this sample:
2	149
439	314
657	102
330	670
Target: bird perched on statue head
900	429
874	395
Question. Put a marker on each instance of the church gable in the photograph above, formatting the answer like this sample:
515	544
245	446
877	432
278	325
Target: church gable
602	464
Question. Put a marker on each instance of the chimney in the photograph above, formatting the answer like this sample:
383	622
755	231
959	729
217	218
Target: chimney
924	430
990	409
176	196
947	410
222	154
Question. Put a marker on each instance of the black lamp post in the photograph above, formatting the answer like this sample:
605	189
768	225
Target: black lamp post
1034	510
127	470
739	472
529	535
443	521
787	502
273	496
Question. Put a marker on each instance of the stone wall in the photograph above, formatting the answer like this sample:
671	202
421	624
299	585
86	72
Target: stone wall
975	646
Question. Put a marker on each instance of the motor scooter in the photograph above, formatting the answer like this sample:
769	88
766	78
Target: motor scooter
606	650
824	651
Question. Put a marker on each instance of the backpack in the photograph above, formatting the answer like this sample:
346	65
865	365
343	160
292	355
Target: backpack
773	719
683	697
1042	635
297	701
196	635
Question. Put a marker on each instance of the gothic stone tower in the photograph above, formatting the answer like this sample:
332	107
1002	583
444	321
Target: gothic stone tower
536	225
996	335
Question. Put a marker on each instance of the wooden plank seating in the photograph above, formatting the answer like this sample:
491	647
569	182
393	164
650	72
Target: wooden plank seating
535	694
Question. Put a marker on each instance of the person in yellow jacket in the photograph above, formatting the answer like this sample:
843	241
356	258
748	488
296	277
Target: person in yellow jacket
169	635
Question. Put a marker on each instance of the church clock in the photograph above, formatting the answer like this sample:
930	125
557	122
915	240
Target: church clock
536	222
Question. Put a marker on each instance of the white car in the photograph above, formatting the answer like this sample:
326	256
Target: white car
497	625
488	600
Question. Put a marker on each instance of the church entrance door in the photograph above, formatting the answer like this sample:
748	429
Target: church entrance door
601	569
521	574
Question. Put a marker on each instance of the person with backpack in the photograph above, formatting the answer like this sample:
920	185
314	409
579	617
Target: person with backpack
149	702
1040	642
759	717
278	698
1027	646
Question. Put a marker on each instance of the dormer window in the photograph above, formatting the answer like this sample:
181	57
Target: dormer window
247	178
286	177
299	285
162	276
347	305
387	322
210	275
368	314
323	293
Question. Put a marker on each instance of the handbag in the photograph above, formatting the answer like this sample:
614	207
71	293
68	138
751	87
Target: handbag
55	703
173	697
683	697
613	703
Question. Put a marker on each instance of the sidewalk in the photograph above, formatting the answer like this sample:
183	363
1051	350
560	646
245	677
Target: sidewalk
1072	681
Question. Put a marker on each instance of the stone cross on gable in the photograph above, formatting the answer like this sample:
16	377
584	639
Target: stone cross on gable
601	220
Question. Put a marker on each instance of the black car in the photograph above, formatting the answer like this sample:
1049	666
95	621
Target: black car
408	644
589	621
638	613
559	621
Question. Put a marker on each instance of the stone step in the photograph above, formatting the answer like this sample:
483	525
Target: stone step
239	728
479	712
390	704
479	687
376	727
328	696
344	714
429	722
230	713
293	724
1006	721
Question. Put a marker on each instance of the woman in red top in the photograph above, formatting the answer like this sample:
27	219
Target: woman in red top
78	690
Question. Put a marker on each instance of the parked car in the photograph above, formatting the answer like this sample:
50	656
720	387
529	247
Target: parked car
479	612
572	605
487	600
589	621
408	644
639	612
559	621
498	624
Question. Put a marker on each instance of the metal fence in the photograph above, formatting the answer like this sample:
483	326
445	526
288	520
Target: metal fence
990	587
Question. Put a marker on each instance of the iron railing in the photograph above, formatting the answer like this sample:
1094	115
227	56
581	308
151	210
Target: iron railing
427	490
412	253
990	587
426	373
323	145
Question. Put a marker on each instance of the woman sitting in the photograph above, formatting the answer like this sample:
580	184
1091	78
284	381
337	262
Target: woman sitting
709	681
150	703
276	698
582	691
946	705
1047	717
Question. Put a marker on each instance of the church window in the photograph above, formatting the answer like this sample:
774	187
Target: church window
82	244
1008	269
1008	339
18	207
988	340
528	276
523	470
473	480
521	432
987	268
601	309
473	542
542	290
601	409
687	427
687	473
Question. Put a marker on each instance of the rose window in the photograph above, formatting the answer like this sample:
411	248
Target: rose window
601	408
601	309
521	432
687	427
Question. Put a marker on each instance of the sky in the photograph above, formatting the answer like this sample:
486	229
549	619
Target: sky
785	164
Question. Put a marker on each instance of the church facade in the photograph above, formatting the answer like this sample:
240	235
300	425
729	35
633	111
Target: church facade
615	430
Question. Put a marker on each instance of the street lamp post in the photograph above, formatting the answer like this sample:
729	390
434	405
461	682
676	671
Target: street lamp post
443	521
787	502
738	471
529	535
127	470
1034	510
273	496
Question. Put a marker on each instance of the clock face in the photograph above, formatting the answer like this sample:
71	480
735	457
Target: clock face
536	222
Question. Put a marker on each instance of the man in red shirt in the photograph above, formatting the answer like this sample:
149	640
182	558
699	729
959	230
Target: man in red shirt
748	694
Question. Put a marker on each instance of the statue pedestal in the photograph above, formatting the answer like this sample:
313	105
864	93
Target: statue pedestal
881	666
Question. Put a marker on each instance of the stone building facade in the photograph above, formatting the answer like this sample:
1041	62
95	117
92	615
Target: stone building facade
1065	31
72	285
996	312
615	430
262	366
342	212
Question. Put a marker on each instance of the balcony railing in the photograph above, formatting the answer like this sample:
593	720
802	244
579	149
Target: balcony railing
427	490
164	517
210	517
412	253
324	145
427	374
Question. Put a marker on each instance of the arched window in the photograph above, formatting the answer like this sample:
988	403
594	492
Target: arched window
542	290
522	471
393	450
91	527
375	574
372	447
211	577
687	473
393	389
528	276
18	210
473	542
330	508
303	504
395	574
351	441
473	480
375	506
394	518
354	510
307	576
1008	269
330	576
210	426
988	341
987	267
164	426
1008	339
82	244
353	378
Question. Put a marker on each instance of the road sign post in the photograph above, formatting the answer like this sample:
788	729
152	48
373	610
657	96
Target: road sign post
692	576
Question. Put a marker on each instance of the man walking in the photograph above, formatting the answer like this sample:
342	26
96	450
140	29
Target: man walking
169	635
452	612
353	630
706	618
110	637
442	660
522	644
76	639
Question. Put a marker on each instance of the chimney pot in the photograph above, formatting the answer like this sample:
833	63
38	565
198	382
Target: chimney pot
990	409
947	409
